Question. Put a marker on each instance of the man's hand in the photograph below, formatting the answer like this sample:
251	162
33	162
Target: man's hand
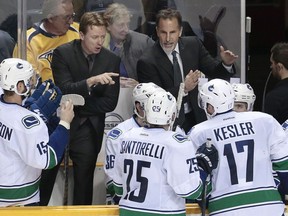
103	79
128	82
207	158
191	80
66	112
227	56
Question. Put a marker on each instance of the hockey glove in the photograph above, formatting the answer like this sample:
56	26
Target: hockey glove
207	158
38	92
47	104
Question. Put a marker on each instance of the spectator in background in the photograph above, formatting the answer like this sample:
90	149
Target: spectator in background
127	44
7	44
84	67
190	57
8	36
276	101
56	28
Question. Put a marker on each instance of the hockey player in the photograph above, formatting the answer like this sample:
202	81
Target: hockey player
156	168
140	95
25	147
244	97
249	145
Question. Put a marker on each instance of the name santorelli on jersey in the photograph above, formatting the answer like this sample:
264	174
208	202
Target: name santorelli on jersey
142	148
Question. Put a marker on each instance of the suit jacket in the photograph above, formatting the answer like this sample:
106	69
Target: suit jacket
155	66
70	71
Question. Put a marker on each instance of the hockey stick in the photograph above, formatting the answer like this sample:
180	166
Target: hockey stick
180	96
66	171
204	192
77	100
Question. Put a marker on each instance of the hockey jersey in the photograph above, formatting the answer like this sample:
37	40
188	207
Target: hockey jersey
112	143
155	169
40	47
249	145
23	154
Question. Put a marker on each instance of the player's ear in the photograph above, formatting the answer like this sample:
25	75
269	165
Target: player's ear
280	66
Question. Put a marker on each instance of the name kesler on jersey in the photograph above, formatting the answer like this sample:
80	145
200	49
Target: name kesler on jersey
30	121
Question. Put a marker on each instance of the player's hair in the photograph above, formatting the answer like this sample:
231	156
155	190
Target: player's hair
91	19
50	7
279	53
169	14
116	11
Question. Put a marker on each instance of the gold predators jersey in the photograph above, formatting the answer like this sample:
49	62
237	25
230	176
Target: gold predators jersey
40	47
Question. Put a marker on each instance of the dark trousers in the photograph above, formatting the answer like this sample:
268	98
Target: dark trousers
47	182
189	122
84	151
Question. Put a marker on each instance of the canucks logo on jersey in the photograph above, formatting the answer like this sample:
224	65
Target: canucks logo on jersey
180	138
114	134
30	121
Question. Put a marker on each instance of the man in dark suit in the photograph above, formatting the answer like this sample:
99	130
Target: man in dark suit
156	65
84	67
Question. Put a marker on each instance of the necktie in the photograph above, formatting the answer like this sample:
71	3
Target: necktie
176	69
90	61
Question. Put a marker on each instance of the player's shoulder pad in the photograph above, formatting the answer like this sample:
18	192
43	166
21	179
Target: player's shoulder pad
180	137
30	121
114	133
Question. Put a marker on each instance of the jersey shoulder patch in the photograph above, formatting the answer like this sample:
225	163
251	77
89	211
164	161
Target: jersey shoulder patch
180	137
30	121
114	133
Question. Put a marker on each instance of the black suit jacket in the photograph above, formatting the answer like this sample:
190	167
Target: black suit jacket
155	66
70	71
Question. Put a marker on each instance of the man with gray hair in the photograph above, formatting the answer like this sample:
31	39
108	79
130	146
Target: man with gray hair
127	44
56	28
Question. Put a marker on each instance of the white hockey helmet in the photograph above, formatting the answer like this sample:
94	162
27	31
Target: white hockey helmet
244	93
218	93
161	109
14	70
141	93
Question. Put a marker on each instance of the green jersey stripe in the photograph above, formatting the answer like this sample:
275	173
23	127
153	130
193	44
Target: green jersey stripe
16	193
247	198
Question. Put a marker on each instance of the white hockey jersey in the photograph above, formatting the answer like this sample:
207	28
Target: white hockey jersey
112	143
23	154
156	169
249	144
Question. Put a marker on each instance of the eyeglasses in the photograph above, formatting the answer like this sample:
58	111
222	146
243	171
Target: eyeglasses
68	17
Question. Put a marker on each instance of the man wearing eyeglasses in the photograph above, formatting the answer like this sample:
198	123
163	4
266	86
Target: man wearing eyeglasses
56	28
